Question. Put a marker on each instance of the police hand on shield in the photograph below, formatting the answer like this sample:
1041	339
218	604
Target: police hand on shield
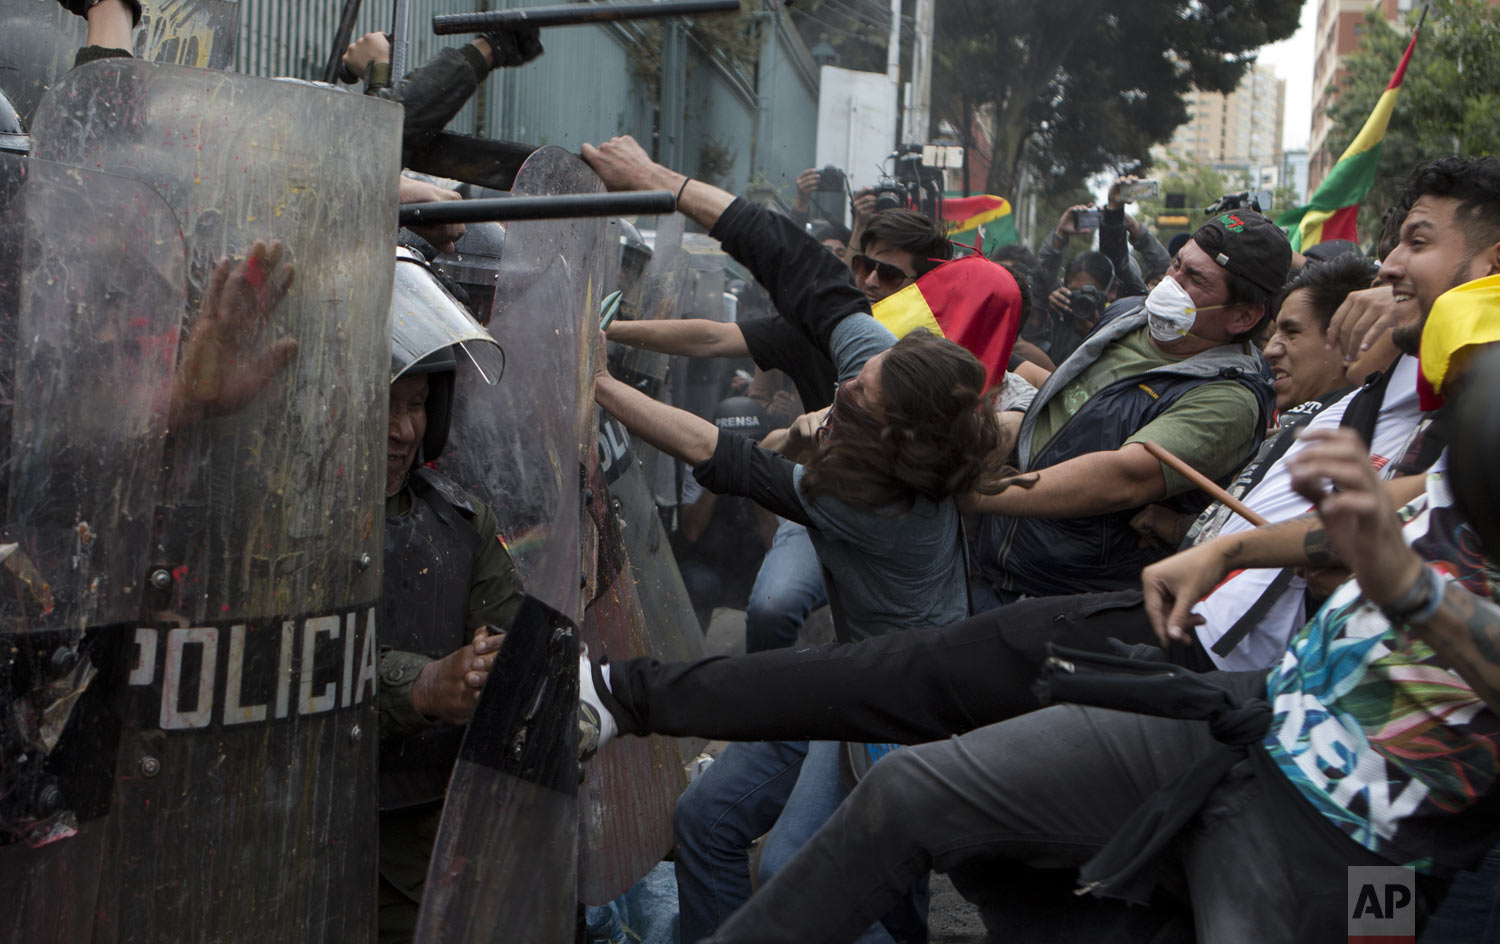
224	364
448	688
441	235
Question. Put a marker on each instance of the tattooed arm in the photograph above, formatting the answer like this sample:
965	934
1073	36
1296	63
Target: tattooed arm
1465	633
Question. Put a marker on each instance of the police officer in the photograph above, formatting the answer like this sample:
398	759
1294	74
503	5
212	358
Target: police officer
450	591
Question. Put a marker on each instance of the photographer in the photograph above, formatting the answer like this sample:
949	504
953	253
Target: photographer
817	192
1089	285
1119	232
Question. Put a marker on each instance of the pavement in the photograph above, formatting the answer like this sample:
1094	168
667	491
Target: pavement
951	919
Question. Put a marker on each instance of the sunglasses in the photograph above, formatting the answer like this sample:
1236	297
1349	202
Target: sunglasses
890	276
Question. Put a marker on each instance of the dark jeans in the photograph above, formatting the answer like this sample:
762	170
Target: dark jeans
907	688
1046	791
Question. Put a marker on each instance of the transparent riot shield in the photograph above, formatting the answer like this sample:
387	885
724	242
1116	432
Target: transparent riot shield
39	39
639	607
244	800
91	301
506	849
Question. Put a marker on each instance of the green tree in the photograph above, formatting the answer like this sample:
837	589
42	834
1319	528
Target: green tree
1076	86
1449	102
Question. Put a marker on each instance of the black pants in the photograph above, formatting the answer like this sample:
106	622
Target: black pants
907	688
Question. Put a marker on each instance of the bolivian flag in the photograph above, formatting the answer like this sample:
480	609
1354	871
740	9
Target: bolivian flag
971	301
983	222
1331	213
1462	320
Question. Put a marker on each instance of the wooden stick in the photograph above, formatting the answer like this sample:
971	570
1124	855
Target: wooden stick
1205	483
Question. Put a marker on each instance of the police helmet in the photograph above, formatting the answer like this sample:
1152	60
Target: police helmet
635	256
13	139
474	264
430	333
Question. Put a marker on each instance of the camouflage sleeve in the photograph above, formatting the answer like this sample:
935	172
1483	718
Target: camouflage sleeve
393	695
495	589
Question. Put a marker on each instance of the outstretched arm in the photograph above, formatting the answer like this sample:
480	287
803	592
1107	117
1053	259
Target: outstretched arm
689	337
808	285
678	433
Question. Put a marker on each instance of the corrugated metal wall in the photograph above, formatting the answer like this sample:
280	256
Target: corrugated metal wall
587	87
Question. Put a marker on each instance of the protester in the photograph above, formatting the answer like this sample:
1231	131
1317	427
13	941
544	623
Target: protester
1167	370
906	431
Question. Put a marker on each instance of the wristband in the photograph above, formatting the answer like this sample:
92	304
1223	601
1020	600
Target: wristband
685	182
1419	602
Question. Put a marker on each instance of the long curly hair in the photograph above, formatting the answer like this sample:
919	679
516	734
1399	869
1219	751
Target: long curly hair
939	436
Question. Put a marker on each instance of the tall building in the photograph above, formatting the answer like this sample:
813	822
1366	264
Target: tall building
1240	128
1340	24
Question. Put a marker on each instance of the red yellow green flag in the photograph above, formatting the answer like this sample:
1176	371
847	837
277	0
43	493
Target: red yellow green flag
971	301
1332	211
983	221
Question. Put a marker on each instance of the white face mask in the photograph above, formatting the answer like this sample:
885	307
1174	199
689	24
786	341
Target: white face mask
1170	312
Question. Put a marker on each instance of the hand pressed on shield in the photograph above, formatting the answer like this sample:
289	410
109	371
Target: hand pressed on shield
624	165
448	688
225	362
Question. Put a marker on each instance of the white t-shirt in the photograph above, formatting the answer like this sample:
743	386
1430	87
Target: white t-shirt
1273	498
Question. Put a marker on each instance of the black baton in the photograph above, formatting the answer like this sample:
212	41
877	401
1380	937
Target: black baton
563	206
574	14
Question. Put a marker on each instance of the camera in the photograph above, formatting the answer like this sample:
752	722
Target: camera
889	196
1140	190
1086	303
830	180
1085	220
1244	200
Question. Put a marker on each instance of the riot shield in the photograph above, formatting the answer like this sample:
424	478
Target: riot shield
38	40
243	805
505	852
639	607
91	299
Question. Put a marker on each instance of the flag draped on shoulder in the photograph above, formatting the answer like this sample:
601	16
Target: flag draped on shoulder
1331	212
983	221
971	301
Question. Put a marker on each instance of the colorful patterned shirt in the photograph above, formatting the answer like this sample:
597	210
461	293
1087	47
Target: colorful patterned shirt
1383	738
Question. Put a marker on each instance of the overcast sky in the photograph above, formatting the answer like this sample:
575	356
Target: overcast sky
1293	60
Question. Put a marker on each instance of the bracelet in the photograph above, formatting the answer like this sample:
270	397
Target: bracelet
685	182
1419	602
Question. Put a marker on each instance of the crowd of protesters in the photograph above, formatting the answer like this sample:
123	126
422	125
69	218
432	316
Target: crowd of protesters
1319	593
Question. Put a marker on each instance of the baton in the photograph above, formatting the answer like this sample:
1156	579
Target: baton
341	38
1205	483
564	206
574	14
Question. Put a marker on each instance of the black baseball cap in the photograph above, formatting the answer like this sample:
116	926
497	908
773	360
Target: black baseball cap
1249	245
